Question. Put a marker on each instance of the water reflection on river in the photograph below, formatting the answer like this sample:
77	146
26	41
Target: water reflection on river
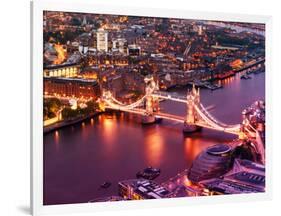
114	146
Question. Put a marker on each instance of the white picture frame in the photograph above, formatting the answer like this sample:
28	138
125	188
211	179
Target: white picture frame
37	8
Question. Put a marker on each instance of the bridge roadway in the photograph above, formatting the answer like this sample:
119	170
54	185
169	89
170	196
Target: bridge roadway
169	96
156	114
172	117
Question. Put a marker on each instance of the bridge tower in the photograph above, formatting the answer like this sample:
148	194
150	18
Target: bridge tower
193	99
149	116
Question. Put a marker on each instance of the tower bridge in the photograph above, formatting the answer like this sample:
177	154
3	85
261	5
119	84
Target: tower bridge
197	116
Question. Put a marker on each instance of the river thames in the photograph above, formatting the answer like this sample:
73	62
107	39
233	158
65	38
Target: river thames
115	146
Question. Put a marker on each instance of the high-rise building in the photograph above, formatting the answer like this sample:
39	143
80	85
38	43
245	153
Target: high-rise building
102	40
138	189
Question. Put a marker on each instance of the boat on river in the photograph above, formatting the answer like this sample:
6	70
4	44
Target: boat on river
149	173
105	185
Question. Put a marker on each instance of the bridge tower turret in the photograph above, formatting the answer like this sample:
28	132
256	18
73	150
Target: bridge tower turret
192	100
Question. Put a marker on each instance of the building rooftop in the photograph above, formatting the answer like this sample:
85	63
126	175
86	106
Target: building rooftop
60	66
245	177
146	188
219	149
248	178
72	79
213	162
107	199
229	187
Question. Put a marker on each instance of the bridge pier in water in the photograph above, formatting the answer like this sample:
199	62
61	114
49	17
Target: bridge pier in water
148	119
189	128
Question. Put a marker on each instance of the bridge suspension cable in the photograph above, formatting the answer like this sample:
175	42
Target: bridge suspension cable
120	105
215	120
214	123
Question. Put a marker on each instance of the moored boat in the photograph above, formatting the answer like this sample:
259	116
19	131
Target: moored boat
149	173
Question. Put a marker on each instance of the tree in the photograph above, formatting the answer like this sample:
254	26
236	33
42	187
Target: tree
68	113
51	107
92	107
55	105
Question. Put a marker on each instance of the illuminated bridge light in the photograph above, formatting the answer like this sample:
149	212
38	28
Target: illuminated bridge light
197	114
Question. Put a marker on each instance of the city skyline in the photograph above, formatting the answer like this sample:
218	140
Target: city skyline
178	103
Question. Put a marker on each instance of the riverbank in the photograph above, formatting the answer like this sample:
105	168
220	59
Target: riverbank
61	124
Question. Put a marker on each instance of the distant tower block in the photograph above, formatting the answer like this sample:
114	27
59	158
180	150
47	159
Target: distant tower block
102	40
193	99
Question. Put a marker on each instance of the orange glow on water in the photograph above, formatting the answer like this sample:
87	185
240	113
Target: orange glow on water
108	124
57	135
191	148
154	145
227	81
57	139
109	132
